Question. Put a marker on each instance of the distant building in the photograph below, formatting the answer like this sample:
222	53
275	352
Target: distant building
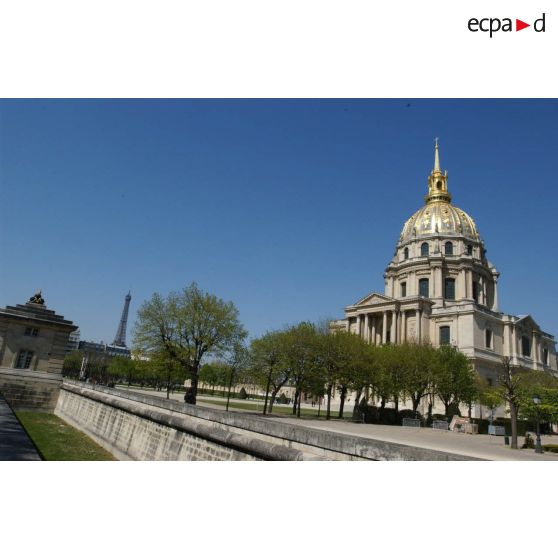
90	347
73	341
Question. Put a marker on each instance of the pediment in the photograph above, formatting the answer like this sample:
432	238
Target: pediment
374	298
528	321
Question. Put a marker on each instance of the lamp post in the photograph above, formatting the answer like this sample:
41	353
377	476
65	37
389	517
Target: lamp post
538	446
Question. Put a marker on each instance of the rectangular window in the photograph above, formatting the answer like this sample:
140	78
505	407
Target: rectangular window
24	359
449	289
31	331
475	291
488	338
545	357
403	290
423	288
525	346
444	335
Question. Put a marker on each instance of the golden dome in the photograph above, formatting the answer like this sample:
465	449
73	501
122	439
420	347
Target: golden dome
438	216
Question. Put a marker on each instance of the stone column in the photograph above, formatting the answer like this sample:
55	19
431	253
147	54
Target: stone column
384	328
393	328
358	325
373	329
404	326
468	286
366	328
419	326
513	351
439	281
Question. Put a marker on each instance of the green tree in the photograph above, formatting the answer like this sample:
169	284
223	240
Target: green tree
269	365
187	326
72	363
122	368
454	377
300	354
418	371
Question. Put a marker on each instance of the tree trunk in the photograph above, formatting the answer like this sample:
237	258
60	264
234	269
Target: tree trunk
195	379
295	400
396	401
513	420
416	401
358	395
328	409
342	401
267	391
298	407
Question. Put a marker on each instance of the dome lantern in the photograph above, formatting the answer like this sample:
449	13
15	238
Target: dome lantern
437	181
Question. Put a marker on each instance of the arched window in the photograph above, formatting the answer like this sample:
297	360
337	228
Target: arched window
424	250
423	288
403	290
444	335
469	249
439	184
449	248
406	253
449	288
525	346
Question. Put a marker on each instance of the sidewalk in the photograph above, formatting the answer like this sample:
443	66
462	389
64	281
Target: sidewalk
15	445
480	446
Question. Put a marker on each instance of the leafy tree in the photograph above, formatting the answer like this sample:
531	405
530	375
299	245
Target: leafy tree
237	364
300	353
510	381
454	378
269	364
72	363
124	368
418	371
186	327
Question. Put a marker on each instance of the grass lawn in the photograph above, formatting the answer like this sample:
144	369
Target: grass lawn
277	409
58	441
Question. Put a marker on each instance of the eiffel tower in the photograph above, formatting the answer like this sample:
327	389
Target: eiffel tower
120	339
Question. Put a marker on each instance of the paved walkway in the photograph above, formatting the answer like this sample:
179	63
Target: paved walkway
480	446
15	445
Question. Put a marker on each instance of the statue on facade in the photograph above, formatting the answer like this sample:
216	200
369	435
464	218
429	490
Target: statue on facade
37	298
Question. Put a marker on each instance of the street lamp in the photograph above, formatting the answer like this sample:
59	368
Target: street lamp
538	446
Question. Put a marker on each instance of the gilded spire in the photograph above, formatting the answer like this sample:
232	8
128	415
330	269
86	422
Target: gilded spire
436	157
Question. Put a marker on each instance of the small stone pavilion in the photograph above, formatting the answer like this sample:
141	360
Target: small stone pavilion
32	347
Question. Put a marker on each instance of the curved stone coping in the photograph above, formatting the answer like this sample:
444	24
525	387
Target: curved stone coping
145	410
328	443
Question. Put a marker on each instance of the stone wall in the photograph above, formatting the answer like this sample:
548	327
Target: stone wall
138	427
30	390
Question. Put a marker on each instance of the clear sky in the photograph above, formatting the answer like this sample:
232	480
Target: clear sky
289	208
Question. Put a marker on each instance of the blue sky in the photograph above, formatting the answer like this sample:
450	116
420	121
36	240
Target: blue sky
289	208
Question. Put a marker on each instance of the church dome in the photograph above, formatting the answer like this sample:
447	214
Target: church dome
439	216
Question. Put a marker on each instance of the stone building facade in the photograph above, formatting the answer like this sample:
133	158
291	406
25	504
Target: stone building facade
33	341
440	288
